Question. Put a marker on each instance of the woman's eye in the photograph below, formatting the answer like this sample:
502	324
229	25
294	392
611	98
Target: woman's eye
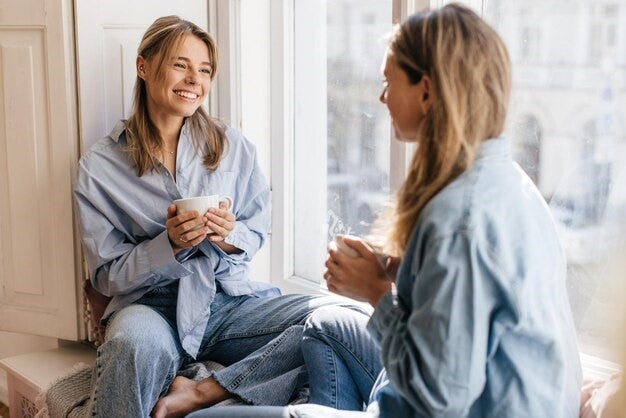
179	65
206	70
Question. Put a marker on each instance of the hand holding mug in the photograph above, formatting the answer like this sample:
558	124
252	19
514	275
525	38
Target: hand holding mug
358	273
185	230
220	221
190	220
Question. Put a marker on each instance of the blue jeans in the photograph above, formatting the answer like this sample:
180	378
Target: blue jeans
343	363
342	358
257	339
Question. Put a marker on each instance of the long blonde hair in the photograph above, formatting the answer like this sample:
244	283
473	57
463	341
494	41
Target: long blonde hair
163	37
471	81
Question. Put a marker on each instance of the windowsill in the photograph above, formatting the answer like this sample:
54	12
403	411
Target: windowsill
597	368
297	284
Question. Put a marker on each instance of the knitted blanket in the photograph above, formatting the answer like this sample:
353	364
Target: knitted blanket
68	396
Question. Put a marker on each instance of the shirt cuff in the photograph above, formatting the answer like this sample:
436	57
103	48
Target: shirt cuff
238	239
386	313
184	254
161	258
235	256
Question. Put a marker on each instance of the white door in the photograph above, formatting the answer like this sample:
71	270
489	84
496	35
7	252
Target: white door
38	150
108	34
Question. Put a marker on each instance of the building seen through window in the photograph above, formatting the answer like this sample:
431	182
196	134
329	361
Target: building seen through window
567	125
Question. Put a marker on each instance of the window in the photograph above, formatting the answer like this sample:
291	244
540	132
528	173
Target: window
333	164
341	130
568	135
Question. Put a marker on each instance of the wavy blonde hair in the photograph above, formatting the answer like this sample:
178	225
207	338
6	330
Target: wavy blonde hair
163	37
471	81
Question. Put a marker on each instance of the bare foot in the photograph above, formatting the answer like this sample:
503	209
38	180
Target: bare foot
185	396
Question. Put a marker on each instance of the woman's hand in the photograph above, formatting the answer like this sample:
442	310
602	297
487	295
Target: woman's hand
181	229
221	221
361	278
391	267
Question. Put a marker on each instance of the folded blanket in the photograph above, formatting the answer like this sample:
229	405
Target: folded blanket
68	395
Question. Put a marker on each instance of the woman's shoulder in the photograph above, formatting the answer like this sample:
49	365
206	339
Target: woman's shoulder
493	205
447	211
105	148
493	191
237	139
240	151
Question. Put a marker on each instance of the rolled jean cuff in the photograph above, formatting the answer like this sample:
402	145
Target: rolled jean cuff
270	375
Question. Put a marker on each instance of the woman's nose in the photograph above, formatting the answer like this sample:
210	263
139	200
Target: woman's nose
192	77
383	96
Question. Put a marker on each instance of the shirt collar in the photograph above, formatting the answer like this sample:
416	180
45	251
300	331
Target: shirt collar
497	147
118	129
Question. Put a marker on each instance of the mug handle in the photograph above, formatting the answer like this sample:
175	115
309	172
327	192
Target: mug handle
228	200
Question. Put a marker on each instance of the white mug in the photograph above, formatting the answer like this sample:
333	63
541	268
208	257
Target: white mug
340	245
201	204
343	247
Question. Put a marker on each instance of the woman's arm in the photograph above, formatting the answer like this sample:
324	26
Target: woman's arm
117	265
435	353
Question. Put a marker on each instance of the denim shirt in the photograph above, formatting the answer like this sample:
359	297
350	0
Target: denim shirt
122	218
481	326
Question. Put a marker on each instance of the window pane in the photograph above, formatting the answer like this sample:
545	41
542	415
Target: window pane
342	131
567	126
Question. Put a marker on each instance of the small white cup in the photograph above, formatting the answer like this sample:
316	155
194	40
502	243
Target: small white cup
201	204
340	245
343	247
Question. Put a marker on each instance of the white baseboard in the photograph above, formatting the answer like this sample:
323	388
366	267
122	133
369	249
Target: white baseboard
4	388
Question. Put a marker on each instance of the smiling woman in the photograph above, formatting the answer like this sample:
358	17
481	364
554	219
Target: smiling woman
176	63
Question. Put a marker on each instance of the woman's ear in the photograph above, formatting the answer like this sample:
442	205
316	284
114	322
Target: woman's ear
427	94
140	64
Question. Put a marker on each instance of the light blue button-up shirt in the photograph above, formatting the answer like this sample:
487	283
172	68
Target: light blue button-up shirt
482	326
122	218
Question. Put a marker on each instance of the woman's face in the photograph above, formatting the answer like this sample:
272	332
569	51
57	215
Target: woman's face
407	103
184	83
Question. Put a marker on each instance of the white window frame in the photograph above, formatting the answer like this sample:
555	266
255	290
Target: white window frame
225	99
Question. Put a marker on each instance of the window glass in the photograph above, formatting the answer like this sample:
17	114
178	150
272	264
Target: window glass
567	126
342	131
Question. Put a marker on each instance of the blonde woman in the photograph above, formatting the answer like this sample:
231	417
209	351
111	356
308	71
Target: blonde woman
179	283
476	322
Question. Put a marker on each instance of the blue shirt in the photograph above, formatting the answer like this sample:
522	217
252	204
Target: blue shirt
482	326
122	218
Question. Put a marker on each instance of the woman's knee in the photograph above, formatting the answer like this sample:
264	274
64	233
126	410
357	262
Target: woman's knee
138	332
333	320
